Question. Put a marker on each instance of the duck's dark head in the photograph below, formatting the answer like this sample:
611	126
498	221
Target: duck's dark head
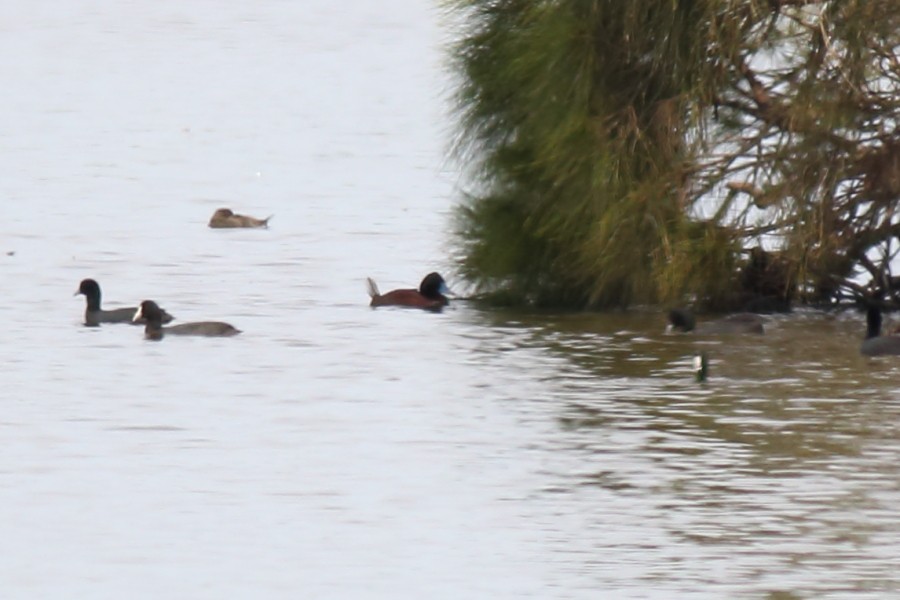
91	291
681	319
150	312
434	287
223	213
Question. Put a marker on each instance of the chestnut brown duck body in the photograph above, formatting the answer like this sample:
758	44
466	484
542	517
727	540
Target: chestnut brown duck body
429	296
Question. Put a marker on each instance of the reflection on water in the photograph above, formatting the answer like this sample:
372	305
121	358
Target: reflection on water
334	451
776	476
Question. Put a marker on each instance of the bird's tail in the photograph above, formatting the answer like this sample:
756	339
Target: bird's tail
373	287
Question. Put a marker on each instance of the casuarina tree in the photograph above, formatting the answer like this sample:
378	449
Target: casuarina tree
741	153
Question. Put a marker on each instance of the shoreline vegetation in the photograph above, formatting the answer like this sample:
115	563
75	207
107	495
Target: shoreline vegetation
736	156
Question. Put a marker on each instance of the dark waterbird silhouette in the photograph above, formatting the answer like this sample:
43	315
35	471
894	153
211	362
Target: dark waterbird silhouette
876	344
681	319
94	315
152	314
430	295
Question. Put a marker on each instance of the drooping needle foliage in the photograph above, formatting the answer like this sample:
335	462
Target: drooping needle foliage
646	151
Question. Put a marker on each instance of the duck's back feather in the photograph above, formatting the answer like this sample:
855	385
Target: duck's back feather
207	328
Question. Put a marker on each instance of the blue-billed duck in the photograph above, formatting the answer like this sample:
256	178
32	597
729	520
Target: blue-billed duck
94	315
150	312
430	295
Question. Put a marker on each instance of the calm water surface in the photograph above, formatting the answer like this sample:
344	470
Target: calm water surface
332	451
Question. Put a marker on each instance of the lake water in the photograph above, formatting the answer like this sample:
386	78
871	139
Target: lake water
334	451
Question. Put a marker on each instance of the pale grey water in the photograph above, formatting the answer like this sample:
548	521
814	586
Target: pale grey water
332	451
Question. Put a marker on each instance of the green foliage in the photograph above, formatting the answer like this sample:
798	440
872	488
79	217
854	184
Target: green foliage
573	124
596	133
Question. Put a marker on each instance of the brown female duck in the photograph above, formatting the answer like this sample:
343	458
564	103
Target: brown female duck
224	218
